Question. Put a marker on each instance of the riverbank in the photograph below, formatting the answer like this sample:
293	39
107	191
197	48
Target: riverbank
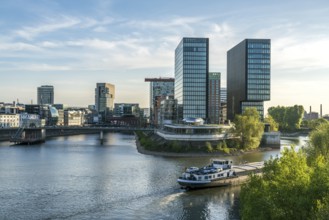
142	150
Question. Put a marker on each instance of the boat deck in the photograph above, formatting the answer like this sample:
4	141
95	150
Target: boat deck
248	167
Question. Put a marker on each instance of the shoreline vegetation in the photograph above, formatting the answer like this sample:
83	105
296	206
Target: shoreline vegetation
152	144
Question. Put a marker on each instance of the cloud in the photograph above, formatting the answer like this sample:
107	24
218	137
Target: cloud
18	46
54	24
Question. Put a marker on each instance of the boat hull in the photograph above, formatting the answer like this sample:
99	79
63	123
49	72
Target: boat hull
195	184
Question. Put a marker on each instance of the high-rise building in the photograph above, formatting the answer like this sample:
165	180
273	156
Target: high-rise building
223	105
45	95
214	97
248	76
223	95
160	88
191	77
104	98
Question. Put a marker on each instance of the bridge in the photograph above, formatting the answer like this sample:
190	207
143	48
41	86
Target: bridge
35	135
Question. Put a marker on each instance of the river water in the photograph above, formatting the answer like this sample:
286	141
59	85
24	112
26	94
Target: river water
77	178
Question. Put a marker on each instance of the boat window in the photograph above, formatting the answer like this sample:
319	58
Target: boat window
209	177
218	175
199	178
206	177
226	162
213	176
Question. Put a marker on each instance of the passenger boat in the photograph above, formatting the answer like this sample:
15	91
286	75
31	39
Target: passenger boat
212	175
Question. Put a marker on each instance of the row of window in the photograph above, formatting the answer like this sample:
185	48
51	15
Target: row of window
195	53
258	51
258	91
195	62
257	86
195	58
259	45
195	67
259	56
259	61
259	66
194	44
258	97
260	76
195	80
195	71
194	87
194	49
262	71
259	81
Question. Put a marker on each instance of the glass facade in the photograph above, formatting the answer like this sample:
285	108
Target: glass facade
214	97
258	70
45	95
248	76
191	77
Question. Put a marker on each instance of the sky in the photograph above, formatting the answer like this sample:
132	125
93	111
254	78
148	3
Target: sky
73	44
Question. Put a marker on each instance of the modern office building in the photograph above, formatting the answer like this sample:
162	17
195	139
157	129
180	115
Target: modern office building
160	88
248	76
45	95
126	109
104	99
223	105
191	77
214	97
223	95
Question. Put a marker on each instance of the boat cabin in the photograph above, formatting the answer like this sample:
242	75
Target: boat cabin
223	164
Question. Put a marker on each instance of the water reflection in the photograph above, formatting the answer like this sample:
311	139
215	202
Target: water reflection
75	177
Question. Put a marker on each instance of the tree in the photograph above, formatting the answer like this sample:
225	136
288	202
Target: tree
313	124
273	124
288	118
319	142
249	128
282	192
295	186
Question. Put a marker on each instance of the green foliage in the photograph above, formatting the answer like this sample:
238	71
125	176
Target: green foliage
313	124
282	192
290	188
288	118
209	147
273	124
222	147
319	142
249	128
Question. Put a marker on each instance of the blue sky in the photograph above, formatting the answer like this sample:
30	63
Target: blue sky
73	44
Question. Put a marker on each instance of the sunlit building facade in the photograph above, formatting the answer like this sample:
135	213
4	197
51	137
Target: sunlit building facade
248	76
191	77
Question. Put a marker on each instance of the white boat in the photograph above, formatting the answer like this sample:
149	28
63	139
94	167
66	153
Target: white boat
212	175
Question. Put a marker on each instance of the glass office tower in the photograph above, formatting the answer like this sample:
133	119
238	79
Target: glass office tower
46	95
214	97
191	77
248	76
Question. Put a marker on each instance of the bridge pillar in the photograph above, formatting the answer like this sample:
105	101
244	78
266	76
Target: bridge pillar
101	137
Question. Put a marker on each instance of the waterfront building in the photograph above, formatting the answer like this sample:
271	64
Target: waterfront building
104	99
9	120
29	120
223	105
73	118
160	88
191	77
168	111
198	133
45	95
248	76
126	109
214	97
